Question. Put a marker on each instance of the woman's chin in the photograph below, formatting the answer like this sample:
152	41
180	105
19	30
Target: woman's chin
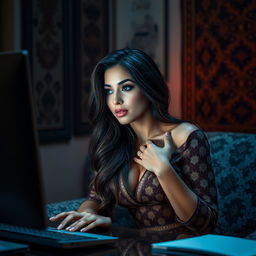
123	121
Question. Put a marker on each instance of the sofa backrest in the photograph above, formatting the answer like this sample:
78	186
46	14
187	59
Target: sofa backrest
234	164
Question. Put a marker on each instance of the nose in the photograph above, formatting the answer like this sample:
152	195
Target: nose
117	99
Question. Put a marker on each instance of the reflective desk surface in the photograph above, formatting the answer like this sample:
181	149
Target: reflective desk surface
131	242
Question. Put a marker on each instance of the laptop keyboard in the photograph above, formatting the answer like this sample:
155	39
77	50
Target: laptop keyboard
52	235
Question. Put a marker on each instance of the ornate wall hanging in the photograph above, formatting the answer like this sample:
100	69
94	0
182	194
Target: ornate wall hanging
90	45
219	64
46	36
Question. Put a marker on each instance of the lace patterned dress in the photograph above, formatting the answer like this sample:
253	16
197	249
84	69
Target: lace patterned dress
151	208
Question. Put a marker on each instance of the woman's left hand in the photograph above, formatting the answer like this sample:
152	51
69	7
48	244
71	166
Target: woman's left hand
154	158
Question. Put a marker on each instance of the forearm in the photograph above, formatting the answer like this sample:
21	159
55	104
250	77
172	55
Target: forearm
182	199
89	206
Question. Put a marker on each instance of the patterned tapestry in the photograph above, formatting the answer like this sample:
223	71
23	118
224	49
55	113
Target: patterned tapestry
45	35
65	40
90	45
219	64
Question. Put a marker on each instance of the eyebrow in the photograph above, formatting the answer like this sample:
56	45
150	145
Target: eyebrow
121	82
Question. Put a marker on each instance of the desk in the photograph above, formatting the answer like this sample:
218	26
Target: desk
131	242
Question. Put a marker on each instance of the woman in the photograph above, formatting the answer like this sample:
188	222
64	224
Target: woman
157	166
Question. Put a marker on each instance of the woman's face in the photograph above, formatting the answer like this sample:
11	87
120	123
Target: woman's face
123	96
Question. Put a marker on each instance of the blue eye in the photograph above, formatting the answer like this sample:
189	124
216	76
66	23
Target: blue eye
127	87
108	91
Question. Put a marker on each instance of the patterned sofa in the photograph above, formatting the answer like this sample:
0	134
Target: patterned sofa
234	164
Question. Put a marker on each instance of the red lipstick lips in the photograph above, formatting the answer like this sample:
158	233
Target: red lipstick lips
121	112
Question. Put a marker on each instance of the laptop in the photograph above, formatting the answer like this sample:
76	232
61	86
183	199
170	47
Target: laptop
22	206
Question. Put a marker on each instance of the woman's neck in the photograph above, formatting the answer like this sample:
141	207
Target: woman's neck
147	128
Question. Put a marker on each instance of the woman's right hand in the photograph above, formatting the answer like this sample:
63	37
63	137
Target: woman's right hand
81	221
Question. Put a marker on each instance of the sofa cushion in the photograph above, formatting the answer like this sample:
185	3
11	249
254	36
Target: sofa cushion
63	206
234	164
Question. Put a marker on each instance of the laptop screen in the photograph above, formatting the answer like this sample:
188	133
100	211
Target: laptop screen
21	197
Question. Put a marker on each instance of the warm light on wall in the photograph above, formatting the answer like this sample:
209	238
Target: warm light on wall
174	57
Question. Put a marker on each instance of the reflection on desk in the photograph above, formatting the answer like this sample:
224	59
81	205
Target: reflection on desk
131	242
134	242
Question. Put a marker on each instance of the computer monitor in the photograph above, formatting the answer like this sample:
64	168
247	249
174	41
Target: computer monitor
21	184
20	181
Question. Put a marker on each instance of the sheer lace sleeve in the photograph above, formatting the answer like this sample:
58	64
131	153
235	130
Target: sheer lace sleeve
93	196
195	169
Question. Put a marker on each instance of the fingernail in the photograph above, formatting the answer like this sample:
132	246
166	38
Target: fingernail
71	229
60	226
52	218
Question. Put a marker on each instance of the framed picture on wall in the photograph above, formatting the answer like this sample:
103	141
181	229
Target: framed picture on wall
90	45
45	29
142	24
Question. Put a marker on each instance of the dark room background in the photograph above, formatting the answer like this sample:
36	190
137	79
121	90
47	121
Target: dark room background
208	51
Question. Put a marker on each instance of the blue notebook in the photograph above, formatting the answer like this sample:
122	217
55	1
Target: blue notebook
208	245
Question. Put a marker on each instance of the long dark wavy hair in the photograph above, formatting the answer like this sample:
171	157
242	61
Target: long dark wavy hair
112	145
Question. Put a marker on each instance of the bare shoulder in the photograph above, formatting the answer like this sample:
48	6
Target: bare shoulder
181	132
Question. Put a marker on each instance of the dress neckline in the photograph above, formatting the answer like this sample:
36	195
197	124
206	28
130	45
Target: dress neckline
124	174
133	194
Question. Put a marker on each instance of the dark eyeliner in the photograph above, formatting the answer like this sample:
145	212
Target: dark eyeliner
107	91
128	85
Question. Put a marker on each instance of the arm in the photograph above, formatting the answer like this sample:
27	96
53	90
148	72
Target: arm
182	199
192	203
156	159
85	218
92	202
88	206
197	173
